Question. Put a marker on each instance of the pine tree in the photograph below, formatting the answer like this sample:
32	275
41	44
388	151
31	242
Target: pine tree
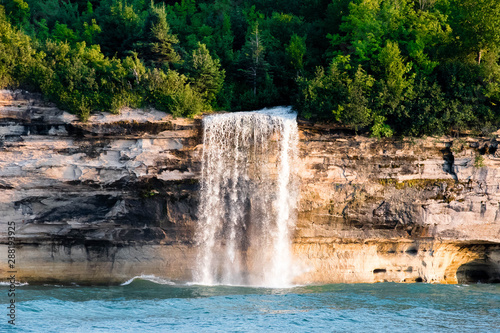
206	75
158	43
254	64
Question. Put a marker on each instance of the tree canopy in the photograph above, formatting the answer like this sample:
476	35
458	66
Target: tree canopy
383	67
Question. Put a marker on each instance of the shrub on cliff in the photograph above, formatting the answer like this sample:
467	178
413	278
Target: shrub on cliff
17	54
81	79
171	92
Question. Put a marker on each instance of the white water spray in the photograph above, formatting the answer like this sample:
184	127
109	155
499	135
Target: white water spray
248	198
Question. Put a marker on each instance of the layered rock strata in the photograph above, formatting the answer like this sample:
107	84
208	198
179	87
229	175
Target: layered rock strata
116	197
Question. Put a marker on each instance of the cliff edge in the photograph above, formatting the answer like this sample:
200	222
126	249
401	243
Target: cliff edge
116	197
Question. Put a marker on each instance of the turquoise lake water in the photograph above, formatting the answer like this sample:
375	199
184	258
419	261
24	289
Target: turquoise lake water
144	306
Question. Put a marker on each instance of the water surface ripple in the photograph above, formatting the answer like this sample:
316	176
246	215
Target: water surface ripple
144	306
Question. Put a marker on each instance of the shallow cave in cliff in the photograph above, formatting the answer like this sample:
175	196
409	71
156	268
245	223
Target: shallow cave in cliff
479	271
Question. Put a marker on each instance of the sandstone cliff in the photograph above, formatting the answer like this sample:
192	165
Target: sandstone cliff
103	201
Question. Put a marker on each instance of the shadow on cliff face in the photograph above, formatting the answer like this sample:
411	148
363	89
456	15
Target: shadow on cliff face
449	161
67	207
479	271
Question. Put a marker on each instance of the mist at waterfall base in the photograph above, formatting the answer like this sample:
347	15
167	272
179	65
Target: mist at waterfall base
147	306
248	199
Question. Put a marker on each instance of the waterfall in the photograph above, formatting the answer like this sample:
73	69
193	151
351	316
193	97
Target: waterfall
248	198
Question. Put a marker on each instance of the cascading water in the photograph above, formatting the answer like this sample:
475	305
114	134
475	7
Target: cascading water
248	198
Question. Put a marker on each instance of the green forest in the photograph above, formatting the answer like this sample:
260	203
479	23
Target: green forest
383	67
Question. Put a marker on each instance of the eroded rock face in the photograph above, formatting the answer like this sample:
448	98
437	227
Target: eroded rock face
397	210
115	197
95	202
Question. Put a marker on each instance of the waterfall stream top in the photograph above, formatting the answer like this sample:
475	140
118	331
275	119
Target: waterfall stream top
248	198
280	111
